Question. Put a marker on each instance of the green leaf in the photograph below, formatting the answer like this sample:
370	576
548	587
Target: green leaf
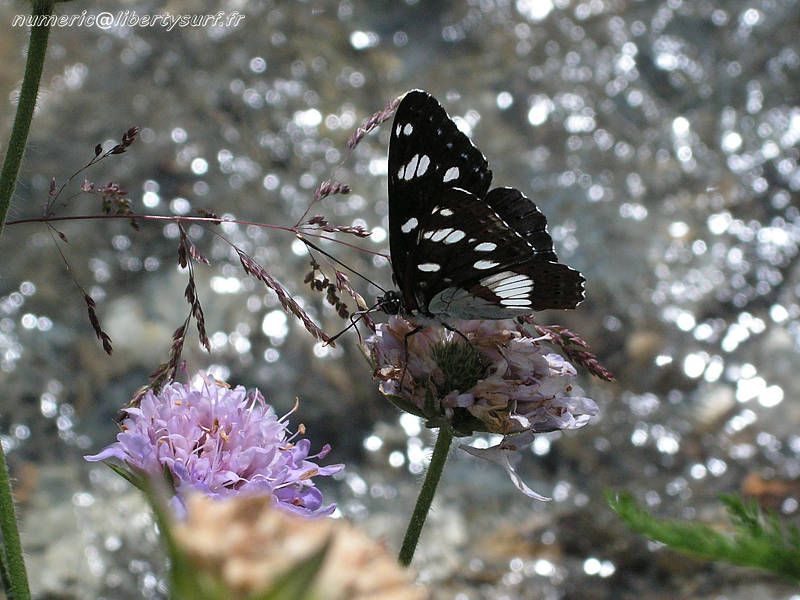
298	582
405	405
756	540
126	474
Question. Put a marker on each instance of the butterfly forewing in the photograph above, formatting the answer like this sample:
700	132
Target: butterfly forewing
457	249
427	155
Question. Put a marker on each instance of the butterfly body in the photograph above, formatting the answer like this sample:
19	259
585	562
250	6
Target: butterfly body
459	250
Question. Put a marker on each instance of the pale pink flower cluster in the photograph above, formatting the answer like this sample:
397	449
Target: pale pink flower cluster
500	379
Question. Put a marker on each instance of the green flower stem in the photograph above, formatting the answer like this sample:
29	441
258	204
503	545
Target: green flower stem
426	494
13	563
12	549
37	47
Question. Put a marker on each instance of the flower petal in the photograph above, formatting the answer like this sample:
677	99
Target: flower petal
503	456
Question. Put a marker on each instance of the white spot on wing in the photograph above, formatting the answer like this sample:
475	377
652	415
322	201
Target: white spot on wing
485	247
496	278
514	293
485	264
446	212
409	225
440	234
521	302
450	174
509	285
429	267
401	172
411	167
407	129
454	237
512	282
397	131
423	165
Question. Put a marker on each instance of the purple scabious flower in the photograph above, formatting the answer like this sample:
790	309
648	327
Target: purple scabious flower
222	441
502	379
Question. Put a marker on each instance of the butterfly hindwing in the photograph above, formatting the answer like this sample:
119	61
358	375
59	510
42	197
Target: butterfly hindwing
524	218
427	155
468	263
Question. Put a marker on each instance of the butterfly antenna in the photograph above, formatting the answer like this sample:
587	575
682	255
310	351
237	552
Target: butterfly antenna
354	319
340	263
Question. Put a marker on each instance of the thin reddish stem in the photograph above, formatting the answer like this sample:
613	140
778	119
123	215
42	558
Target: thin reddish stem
297	231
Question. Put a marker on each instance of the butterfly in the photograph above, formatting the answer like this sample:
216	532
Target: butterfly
459	250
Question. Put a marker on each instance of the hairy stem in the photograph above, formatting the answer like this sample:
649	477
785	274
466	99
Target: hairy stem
37	47
12	548
425	497
13	563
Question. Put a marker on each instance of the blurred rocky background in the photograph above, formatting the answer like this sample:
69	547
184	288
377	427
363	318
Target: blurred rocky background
661	139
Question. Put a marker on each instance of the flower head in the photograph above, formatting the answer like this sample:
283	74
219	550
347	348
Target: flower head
490	376
222	441
249	546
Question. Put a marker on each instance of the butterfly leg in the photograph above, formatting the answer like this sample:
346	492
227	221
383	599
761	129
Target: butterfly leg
414	331
354	319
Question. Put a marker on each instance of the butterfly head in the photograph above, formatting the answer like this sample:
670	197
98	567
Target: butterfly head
391	302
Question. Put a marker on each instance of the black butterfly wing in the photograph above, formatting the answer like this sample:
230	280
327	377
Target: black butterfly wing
527	221
427	156
492	258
